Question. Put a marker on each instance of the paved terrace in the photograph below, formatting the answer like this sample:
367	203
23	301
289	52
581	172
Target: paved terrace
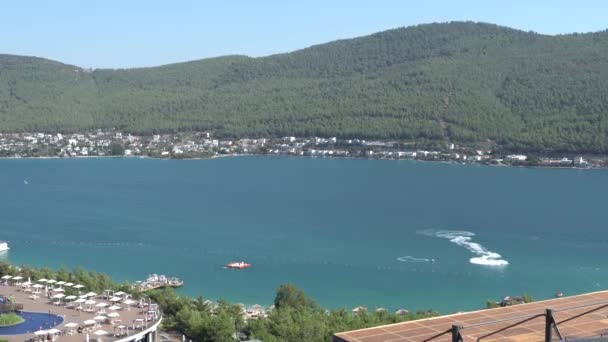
128	317
575	317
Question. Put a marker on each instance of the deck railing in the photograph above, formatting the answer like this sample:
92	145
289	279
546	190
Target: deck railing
551	325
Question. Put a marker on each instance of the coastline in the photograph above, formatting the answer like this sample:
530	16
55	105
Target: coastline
237	155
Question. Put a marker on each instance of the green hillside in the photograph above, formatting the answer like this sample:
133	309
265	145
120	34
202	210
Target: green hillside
467	83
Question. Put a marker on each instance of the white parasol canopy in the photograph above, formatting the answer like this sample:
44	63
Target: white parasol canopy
90	302
119	293
100	318
53	331
7	277
69	284
100	332
129	302
17	278
60	282
43	280
52	281
102	305
80	300
114	307
89	322
40	332
115	299
91	294
37	286
70	297
58	296
58	290
78	286
113	314
71	325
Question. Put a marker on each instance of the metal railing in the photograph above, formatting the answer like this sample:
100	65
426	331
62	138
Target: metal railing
551	325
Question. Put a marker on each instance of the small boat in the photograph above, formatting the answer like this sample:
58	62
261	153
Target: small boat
559	294
3	246
238	265
26	182
156	281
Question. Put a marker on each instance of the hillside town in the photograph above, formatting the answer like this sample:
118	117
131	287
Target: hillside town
204	145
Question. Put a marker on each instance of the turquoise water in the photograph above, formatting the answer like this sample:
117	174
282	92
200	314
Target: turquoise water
350	232
34	321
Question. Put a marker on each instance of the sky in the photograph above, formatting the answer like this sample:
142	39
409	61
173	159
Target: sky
140	33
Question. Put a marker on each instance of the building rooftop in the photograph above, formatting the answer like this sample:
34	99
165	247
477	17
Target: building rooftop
575	317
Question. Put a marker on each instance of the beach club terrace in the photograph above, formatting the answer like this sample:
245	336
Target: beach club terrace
576	318
50	314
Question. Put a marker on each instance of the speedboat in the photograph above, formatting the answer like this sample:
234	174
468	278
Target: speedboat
238	265
3	246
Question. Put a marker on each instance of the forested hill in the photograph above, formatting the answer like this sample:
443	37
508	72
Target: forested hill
459	82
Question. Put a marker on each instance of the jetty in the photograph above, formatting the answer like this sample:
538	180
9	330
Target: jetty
155	281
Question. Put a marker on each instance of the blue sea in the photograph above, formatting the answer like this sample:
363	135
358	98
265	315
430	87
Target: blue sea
396	234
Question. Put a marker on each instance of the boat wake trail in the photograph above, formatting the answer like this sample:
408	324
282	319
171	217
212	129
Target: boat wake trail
409	258
465	239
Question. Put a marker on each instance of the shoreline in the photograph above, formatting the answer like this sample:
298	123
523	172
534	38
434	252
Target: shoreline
595	167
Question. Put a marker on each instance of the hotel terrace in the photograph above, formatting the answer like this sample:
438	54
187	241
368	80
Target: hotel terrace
577	318
50	314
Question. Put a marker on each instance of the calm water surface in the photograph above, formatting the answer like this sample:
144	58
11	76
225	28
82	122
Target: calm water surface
350	232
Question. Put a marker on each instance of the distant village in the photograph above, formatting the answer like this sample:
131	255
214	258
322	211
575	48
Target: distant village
203	145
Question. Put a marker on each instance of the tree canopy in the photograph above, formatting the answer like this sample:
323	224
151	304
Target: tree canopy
463	82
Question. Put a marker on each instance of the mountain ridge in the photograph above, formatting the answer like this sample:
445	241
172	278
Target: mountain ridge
463	82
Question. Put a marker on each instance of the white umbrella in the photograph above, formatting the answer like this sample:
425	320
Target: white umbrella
102	305
58	296
27	283
119	293
40	332
115	299
129	302
69	284
113	314
114	307
70	297
43	280
52	281
53	331
37	286
71	325
78	286
58	290
17	278
89	322
90	302
91	294
100	318
60	282
6	277
80	300
100	332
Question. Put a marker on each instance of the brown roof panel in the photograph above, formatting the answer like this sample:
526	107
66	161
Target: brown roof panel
513	323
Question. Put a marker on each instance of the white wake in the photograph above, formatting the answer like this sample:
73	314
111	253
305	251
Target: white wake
465	239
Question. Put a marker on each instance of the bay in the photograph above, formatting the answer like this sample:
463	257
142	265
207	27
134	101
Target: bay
396	234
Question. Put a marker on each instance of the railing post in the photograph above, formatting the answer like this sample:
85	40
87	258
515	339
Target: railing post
548	324
456	333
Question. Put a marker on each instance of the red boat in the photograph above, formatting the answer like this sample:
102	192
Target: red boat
238	265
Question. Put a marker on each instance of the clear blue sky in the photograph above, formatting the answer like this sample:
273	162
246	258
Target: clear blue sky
132	33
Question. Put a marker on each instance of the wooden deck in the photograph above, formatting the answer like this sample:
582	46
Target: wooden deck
484	323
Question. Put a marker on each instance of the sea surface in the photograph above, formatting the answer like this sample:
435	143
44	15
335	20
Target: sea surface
395	234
